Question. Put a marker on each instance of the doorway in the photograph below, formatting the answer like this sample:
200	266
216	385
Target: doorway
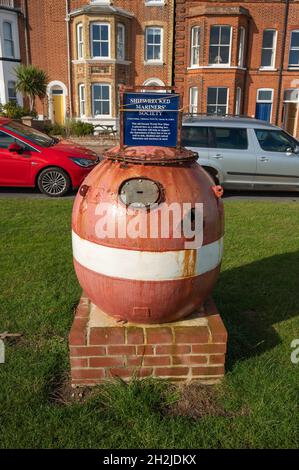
290	111
290	118
58	107
57	93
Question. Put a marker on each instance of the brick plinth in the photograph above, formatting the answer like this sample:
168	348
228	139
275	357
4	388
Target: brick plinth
189	350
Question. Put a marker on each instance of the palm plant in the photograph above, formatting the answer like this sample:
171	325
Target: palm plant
31	82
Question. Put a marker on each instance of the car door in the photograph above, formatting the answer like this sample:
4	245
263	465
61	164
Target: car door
277	164
196	138
233	150
15	168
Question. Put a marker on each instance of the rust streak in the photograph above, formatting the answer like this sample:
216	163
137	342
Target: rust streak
189	263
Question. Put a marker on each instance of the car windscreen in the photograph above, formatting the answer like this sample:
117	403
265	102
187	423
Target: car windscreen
34	136
275	140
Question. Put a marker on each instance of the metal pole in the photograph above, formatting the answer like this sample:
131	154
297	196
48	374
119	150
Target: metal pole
284	34
180	121
121	117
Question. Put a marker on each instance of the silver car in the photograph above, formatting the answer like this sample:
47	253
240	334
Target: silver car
244	153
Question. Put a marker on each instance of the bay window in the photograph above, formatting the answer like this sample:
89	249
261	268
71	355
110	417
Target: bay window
241	47
9	49
217	102
80	41
100	40
12	94
195	46
101	97
81	100
220	45
120	41
193	101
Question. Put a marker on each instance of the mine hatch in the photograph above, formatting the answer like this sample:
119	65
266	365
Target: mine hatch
140	192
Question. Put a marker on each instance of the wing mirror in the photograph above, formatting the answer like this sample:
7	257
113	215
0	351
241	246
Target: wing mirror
296	149
15	148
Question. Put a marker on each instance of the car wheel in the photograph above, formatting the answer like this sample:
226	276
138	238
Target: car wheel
53	182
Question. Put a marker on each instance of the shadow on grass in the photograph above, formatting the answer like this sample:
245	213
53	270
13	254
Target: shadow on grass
254	297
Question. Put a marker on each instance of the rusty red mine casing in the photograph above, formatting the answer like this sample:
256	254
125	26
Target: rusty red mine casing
147	280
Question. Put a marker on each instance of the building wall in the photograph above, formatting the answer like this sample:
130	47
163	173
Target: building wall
8	64
49	50
255	17
47	30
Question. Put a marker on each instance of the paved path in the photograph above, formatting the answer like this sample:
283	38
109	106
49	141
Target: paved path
229	195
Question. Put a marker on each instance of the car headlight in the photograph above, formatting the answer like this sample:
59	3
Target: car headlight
83	162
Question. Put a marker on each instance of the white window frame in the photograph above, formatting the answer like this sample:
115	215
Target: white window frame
227	64
238	101
121	26
241	47
194	46
82	100
11	40
193	99
154	61
102	116
101	2
266	101
80	41
15	99
272	66
296	48
154	3
95	23
216	104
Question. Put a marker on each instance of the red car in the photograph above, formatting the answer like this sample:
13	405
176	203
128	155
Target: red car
29	158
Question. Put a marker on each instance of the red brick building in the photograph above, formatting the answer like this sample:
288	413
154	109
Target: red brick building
89	48
228	57
239	58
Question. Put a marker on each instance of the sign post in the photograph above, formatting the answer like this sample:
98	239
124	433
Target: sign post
150	118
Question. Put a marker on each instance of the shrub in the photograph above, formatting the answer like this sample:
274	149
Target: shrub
80	129
13	111
56	129
75	128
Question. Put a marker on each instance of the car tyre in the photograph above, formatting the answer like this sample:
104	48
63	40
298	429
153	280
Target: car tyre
53	182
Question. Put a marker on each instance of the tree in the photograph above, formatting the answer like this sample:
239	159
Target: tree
31	82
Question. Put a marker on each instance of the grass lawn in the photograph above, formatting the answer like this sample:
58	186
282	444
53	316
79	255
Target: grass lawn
258	296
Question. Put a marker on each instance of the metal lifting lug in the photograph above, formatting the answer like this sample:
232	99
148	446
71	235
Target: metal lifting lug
218	191
84	190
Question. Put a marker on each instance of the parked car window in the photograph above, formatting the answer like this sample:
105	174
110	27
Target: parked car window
34	136
275	141
195	136
6	140
230	138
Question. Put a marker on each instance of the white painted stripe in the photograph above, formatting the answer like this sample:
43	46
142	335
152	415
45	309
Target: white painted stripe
144	265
